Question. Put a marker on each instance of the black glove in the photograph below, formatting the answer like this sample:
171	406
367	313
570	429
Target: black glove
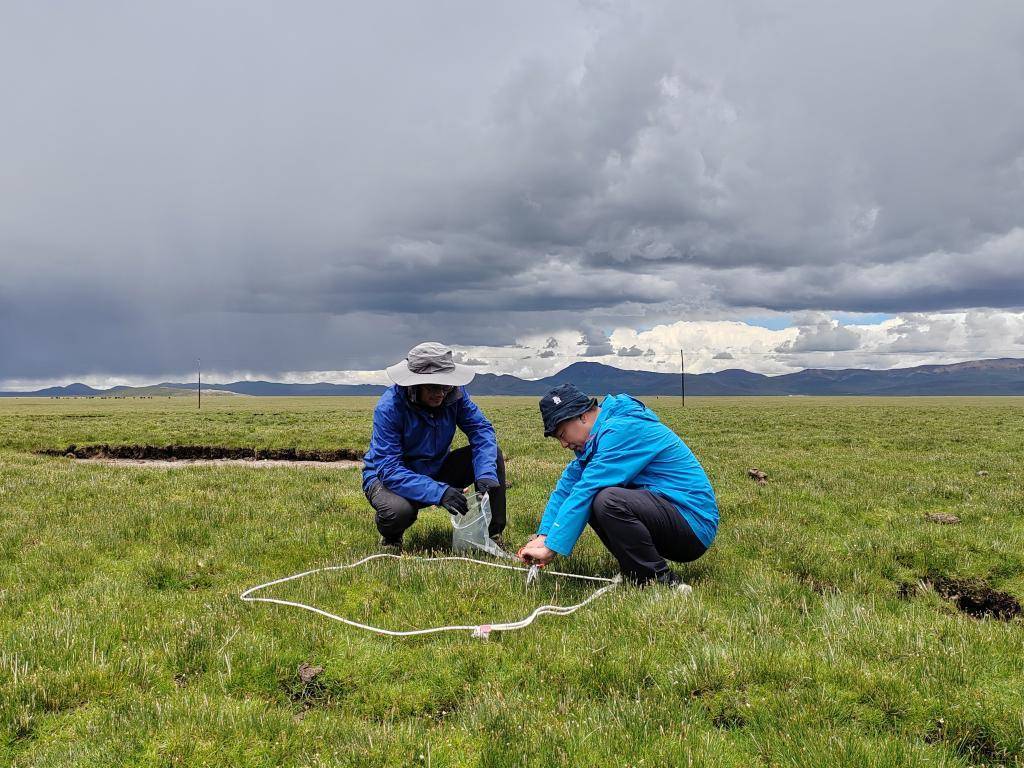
455	501
486	485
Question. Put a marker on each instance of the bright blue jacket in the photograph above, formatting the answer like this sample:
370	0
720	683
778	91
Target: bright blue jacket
629	446
409	443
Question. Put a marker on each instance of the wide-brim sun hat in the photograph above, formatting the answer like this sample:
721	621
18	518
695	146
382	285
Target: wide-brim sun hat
430	363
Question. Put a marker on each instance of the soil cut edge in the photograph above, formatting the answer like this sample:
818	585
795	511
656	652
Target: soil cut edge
217	455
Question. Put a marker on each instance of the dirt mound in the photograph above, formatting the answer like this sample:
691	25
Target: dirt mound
758	476
942	518
201	452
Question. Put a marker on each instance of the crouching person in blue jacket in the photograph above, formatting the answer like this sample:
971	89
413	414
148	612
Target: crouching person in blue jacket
633	480
409	465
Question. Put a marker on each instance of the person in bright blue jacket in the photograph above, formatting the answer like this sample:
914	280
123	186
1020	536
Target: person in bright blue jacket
633	480
409	465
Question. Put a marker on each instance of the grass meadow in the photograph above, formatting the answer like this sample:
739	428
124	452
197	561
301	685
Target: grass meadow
812	638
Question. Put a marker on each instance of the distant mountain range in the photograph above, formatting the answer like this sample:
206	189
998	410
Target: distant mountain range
1004	376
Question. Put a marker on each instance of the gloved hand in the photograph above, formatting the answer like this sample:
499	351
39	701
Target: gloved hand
486	485
455	502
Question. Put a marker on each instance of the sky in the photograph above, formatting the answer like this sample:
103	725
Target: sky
303	191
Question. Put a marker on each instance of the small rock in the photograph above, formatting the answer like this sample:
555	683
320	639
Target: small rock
982	473
756	474
308	673
943	518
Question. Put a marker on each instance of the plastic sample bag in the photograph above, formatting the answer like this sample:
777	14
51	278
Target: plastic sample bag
469	531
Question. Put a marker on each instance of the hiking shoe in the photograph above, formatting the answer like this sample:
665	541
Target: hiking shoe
677	585
499	540
683	588
390	546
674	584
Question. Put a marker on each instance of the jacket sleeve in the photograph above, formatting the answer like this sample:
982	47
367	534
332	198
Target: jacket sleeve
386	443
618	458
482	440
565	484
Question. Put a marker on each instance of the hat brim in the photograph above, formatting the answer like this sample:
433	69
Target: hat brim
571	413
403	377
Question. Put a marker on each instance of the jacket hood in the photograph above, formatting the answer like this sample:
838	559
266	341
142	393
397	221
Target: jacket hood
615	407
618	406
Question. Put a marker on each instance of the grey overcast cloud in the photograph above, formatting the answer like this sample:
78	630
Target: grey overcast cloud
302	191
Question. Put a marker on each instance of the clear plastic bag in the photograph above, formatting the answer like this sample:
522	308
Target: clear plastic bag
469	531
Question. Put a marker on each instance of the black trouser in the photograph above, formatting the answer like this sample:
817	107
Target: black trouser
395	513
642	529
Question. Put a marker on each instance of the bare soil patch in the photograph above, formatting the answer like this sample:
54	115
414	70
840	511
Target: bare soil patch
971	596
215	455
976	598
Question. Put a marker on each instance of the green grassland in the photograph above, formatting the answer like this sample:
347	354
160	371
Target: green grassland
123	641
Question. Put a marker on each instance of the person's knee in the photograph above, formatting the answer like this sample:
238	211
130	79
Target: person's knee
394	508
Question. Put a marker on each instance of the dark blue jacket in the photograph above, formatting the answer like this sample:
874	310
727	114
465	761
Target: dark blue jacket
409	443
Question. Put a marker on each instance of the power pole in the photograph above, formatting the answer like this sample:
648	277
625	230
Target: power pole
199	373
682	379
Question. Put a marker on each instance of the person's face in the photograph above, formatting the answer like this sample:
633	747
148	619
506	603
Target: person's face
433	394
573	433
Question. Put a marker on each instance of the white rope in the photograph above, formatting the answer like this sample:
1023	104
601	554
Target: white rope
479	630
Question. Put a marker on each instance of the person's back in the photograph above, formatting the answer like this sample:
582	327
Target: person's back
672	471
635	482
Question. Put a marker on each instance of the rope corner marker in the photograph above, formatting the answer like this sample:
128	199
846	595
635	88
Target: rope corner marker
479	631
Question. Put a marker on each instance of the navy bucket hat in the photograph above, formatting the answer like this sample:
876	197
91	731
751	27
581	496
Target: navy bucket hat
562	403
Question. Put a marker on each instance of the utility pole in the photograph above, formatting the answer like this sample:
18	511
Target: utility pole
682	379
199	374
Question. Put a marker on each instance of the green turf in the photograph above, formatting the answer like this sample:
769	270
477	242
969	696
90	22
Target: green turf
123	641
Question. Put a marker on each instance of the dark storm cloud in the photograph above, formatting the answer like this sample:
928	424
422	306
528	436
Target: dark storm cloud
819	333
991	274
671	146
466	360
595	342
597	349
284	187
631	351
